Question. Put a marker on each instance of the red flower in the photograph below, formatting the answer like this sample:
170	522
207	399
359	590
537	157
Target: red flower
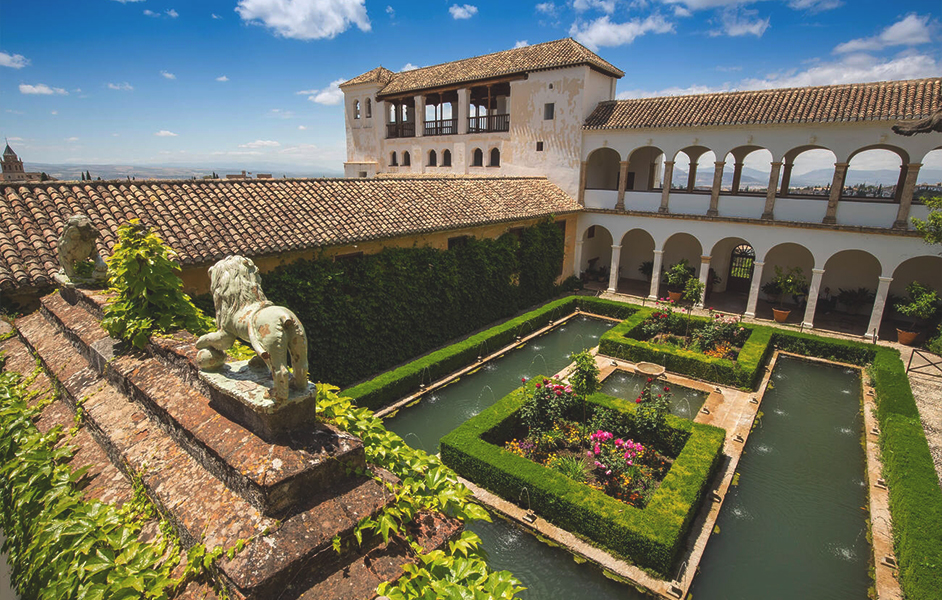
638	401
666	389
523	379
650	380
538	386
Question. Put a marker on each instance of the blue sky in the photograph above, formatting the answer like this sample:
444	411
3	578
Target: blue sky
253	82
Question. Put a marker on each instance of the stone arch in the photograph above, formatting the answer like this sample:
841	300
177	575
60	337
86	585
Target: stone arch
787	255
739	171
432	158
393	159
637	248
602	169
645	169
596	252
682	245
356	109
446	158
494	158
721	262
369	108
690	161
926	269
870	158
407	159
807	171
477	158
850	270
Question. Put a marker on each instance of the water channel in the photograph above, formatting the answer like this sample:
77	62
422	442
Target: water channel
792	528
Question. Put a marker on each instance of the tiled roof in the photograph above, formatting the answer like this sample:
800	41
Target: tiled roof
881	101
379	74
538	57
207	220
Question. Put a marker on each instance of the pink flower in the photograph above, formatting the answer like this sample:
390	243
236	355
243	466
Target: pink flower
609	472
588	453
558	393
538	386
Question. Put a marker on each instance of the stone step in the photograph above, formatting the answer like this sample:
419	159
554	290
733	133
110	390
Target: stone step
199	505
277	478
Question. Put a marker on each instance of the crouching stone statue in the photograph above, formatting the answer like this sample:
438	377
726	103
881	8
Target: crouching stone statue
243	312
79	260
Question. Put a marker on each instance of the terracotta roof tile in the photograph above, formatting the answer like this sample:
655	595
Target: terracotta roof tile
204	221
881	101
549	55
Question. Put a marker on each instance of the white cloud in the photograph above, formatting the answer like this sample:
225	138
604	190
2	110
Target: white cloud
278	113
330	95
165	133
391	12
737	22
602	32
14	61
465	11
14	139
912	30
172	13
606	6
547	8
123	87
702	4
168	75
302	128
41	89
671	91
815	6
53	112
408	67
71	139
681	11
215	16
222	78
260	144
852	68
305	19
150	13
127	1
521	44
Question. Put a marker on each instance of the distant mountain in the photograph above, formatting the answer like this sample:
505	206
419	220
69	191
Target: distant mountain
755	178
74	172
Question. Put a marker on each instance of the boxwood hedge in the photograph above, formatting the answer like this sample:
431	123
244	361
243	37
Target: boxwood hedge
406	379
652	537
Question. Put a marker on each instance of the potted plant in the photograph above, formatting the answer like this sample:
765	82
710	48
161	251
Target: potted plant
854	299
647	269
676	279
785	283
922	304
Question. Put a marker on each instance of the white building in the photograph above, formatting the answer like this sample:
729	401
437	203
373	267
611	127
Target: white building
549	109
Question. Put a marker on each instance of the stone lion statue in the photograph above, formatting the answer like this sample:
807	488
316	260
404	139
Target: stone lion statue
243	312
76	248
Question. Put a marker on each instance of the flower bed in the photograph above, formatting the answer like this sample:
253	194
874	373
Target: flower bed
721	336
652	536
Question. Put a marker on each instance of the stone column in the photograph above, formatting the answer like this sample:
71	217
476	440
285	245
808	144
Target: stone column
581	183
737	177
786	178
837	189
879	303
622	182
816	275
692	176
420	116
754	289
715	191
464	110
666	191
704	277
906	197
577	259
613	276
769	212
656	274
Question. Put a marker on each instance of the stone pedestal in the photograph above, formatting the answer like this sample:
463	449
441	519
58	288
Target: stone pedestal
239	391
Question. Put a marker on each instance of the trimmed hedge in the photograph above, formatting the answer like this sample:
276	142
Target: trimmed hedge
915	498
402	381
652	537
624	342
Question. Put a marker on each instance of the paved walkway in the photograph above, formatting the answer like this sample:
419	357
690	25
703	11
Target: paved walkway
926	389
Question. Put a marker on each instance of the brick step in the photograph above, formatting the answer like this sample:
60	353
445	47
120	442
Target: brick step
200	506
276	478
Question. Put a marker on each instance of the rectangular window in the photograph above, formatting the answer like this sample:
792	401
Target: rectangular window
539	146
591	232
361	174
457	242
549	111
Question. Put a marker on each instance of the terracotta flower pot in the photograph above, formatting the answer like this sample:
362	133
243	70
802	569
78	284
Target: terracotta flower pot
780	315
675	296
907	338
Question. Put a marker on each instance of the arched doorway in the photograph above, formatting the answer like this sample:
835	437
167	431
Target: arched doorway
847	291
596	257
741	266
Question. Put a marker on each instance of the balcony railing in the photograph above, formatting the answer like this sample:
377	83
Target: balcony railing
489	123
400	130
441	127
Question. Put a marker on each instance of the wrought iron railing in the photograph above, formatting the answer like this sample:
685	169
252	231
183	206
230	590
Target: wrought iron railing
400	130
489	123
441	127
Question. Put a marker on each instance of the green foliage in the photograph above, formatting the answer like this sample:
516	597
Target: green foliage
923	302
402	381
693	290
855	299
547	402
149	293
426	485
677	275
931	227
785	283
646	268
369	313
652	537
584	378
653	407
572	467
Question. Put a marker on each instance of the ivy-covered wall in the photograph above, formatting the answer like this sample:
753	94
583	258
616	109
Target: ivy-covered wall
365	314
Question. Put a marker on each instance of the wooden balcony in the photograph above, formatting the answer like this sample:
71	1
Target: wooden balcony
441	127
489	123
400	130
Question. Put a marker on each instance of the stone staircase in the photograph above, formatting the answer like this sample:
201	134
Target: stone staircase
217	482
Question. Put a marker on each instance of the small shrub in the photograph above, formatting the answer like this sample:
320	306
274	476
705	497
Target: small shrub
572	467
